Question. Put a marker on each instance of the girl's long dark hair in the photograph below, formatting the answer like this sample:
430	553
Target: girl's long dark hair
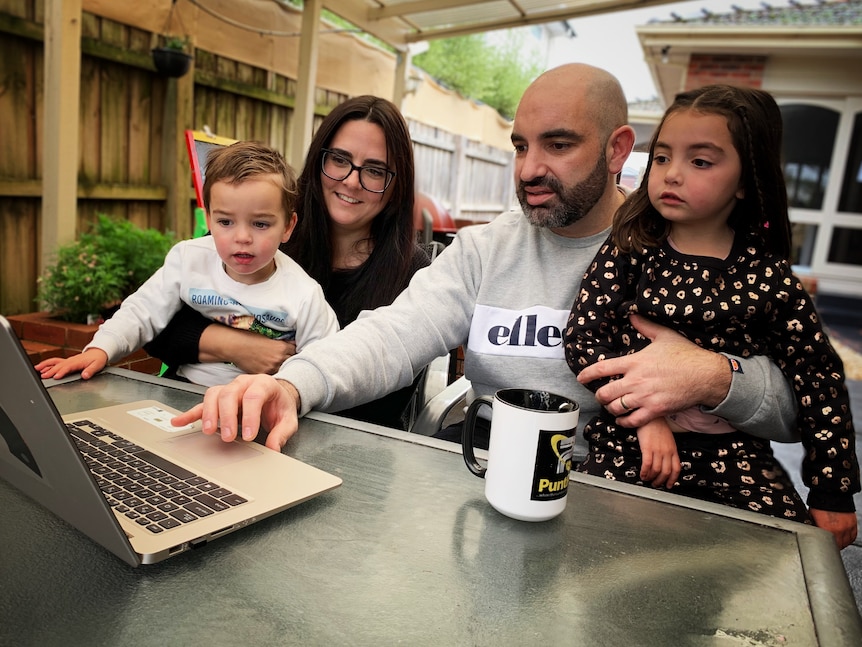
389	267
754	122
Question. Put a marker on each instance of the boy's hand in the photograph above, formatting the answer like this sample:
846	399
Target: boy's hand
88	363
660	464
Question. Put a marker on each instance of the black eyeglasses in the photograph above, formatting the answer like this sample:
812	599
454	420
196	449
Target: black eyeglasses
337	167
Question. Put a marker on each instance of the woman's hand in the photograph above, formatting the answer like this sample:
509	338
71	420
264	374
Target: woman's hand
250	352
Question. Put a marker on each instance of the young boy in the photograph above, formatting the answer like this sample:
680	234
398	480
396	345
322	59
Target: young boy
237	276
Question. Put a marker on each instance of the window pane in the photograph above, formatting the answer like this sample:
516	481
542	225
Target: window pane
809	137
802	243
845	246
851	191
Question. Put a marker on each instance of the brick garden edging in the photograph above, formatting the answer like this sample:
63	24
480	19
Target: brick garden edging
44	336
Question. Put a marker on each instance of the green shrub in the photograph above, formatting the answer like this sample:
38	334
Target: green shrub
101	268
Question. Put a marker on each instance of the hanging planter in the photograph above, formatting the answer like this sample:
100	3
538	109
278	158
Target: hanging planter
172	58
171	62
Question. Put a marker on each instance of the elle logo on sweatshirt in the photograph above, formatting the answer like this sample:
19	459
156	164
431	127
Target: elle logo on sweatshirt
533	332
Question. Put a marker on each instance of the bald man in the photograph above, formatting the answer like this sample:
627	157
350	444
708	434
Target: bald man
504	290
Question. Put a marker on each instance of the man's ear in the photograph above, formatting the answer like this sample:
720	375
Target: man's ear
620	145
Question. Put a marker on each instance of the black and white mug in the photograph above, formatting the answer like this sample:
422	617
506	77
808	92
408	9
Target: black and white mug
529	452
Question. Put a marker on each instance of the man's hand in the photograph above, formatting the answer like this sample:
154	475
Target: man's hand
842	525
248	403
660	461
249	351
669	375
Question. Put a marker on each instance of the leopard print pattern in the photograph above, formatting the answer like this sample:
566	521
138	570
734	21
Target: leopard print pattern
748	304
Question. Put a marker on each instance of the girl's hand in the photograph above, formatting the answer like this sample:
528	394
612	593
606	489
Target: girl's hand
660	463
842	525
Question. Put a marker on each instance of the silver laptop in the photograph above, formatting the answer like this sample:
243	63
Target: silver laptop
130	481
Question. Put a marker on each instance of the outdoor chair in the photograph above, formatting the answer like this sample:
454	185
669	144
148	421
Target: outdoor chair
429	419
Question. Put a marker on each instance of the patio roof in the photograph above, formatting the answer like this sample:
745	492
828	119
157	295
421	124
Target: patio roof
396	22
400	22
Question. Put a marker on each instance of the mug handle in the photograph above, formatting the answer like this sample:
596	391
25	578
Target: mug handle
467	434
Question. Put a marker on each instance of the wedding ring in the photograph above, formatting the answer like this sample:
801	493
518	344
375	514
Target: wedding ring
623	403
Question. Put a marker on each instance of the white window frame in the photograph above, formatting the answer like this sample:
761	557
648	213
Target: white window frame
841	278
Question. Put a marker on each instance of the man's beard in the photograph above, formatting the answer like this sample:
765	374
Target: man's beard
570	204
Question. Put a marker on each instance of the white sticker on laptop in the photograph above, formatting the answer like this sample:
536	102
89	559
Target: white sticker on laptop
160	418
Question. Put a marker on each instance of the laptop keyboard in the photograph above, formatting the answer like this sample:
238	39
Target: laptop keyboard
148	489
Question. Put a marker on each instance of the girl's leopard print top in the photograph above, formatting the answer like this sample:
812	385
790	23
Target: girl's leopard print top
747	304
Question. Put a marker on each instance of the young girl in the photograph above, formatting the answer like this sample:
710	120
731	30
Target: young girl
701	246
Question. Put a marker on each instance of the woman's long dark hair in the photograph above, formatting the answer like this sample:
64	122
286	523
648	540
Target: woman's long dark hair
754	122
389	267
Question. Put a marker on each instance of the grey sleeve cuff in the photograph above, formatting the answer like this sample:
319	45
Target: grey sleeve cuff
308	380
760	401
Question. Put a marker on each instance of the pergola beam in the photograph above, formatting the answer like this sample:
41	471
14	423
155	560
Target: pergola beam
418	6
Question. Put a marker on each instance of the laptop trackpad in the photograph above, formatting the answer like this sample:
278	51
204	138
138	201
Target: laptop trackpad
211	451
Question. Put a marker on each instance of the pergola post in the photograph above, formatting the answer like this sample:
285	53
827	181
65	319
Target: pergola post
402	71
179	115
60	141
303	112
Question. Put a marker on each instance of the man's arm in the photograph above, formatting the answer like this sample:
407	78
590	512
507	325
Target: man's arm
374	355
384	349
672	374
760	400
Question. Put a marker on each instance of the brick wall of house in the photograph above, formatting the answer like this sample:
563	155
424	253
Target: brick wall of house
706	69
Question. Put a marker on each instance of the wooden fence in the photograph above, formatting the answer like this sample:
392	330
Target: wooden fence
124	167
472	179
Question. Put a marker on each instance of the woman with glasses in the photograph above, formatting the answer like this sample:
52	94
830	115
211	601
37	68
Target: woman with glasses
354	236
355	233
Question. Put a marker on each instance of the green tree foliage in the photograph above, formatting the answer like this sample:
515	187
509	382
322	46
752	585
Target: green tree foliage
495	73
